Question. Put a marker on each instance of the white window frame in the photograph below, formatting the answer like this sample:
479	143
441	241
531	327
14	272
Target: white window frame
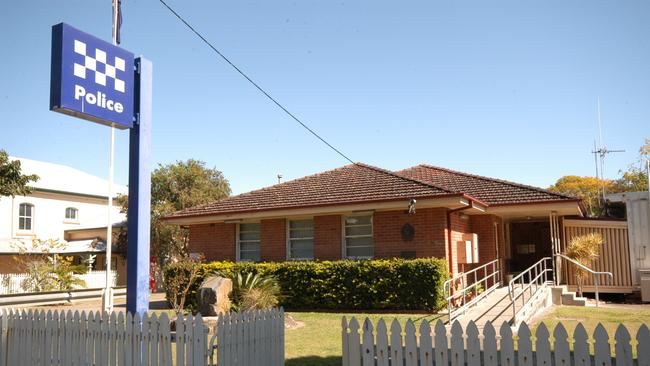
31	217
259	242
76	214
288	236
344	237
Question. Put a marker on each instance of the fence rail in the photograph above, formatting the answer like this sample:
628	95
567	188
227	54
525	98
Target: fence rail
14	283
374	345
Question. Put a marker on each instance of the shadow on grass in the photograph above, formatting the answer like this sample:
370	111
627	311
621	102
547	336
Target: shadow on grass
314	361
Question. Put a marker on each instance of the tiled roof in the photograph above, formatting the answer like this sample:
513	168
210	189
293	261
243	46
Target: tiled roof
489	190
352	183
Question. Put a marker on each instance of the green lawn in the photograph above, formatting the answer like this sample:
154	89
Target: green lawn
318	343
610	317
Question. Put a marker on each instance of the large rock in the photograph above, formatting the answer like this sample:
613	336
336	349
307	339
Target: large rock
212	296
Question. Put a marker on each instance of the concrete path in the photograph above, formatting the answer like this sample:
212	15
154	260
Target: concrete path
496	308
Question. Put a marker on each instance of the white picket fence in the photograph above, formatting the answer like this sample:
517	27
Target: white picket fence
249	338
59	338
12	283
377	347
37	338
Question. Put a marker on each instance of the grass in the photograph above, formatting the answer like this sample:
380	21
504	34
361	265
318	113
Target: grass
632	317
318	343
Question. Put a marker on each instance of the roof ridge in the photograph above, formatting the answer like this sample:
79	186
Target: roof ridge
482	177
385	171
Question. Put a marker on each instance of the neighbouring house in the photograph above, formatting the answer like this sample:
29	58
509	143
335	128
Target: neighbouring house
360	211
66	205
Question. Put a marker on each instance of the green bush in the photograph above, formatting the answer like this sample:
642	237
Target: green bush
390	284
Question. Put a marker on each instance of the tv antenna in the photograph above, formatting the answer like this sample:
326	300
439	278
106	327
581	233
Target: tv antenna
600	153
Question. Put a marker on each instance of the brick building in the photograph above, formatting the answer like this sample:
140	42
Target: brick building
360	211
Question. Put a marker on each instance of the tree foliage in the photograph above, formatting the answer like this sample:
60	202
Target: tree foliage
635	179
585	188
12	181
46	269
175	187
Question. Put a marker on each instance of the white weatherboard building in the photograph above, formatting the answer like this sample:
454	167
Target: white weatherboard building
66	205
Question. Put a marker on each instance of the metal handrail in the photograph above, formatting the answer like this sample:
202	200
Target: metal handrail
594	273
540	279
495	275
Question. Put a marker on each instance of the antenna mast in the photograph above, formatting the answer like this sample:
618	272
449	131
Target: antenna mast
601	152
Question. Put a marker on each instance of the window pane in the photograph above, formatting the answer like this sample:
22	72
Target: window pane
249	227
358	230
28	223
301	224
244	246
28	210
250	256
358	242
21	223
301	234
249	236
358	220
21	209
359	252
302	253
302	244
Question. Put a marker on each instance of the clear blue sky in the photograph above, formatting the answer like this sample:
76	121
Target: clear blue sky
500	88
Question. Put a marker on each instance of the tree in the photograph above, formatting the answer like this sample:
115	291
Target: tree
635	179
12	181
583	249
46	269
175	187
585	188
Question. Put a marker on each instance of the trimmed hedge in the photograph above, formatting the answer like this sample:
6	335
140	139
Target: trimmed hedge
395	284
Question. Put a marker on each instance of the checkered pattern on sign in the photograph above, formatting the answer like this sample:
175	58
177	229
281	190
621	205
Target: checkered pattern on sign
99	67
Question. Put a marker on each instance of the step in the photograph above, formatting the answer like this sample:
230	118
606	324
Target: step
570	299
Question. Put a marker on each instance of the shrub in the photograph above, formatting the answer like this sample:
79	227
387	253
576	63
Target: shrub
395	284
184	277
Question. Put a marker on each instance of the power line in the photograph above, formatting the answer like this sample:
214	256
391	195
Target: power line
253	82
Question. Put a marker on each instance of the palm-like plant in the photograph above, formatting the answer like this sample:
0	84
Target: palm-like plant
584	249
254	291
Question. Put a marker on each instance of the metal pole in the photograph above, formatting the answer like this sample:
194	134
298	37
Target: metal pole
596	282
108	295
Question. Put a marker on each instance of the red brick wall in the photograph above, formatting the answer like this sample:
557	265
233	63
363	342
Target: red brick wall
327	237
429	239
273	239
215	241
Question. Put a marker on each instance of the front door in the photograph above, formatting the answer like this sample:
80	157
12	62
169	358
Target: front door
530	241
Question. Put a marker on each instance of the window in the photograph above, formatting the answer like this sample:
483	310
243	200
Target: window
358	237
25	216
249	242
301	239
71	213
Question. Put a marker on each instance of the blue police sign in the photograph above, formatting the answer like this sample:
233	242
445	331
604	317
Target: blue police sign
91	79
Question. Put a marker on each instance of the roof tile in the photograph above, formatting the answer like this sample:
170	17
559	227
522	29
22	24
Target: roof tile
489	190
